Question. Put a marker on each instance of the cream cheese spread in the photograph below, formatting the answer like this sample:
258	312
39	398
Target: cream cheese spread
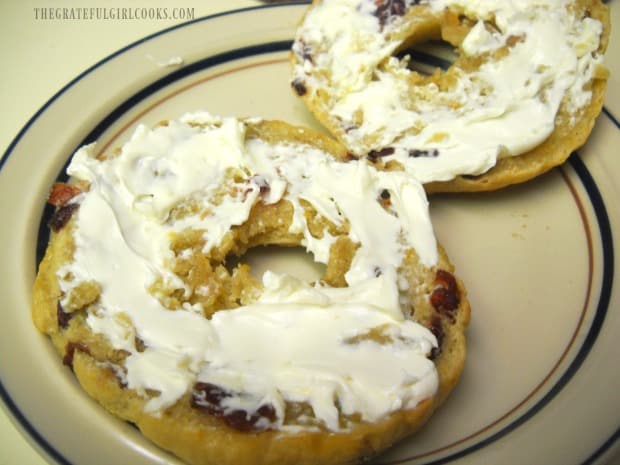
297	342
504	108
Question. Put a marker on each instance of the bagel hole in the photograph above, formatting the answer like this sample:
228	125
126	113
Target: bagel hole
426	57
295	261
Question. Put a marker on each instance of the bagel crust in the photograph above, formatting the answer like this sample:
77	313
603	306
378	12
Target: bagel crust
220	367
524	92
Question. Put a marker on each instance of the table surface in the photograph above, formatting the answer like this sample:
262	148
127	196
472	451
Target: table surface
39	56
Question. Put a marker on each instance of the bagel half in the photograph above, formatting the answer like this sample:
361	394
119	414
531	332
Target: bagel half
144	324
522	95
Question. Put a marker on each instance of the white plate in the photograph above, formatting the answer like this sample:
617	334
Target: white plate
541	384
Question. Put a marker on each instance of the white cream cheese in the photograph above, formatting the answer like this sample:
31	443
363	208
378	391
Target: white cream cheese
504	108
298	342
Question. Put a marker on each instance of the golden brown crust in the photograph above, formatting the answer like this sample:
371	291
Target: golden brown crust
203	439
567	137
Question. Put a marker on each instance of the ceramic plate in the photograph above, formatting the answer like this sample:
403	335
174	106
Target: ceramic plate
541	383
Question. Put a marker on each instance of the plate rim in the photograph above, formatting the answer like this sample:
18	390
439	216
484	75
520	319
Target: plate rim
41	443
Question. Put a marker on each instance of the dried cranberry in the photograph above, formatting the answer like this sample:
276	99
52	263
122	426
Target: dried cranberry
261	182
446	297
385	199
444	301
374	155
70	349
446	279
62	216
242	421
437	330
387	9
306	52
417	153
299	86
209	397
63	317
